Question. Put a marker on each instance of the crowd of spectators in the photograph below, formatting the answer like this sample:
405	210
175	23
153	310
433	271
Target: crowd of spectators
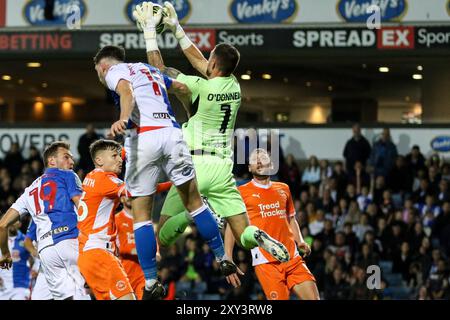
376	206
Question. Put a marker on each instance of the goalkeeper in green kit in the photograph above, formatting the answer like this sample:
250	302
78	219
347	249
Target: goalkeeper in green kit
207	133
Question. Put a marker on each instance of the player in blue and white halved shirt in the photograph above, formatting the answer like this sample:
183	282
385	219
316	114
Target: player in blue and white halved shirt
15	283
51	200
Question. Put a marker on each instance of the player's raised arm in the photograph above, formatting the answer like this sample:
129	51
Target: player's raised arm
147	22
194	55
10	217
183	94
125	91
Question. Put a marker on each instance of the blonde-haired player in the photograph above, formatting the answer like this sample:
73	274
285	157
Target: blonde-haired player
270	208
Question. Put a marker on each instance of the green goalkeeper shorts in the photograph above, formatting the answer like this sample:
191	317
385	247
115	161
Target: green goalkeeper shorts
216	182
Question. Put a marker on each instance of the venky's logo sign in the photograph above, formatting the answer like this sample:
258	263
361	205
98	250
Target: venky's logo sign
34	11
441	144
356	10
182	7
263	11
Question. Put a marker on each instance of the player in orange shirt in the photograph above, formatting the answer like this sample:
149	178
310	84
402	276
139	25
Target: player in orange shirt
127	248
270	208
102	188
126	244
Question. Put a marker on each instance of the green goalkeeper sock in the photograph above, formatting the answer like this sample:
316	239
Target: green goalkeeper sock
248	238
173	228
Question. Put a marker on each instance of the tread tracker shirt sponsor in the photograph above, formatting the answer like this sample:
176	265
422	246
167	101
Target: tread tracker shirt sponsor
269	207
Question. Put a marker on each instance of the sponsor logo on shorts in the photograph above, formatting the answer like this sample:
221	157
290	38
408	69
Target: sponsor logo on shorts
120	285
273	295
186	171
54	232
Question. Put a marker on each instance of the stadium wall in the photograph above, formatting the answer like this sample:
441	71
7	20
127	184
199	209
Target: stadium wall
323	142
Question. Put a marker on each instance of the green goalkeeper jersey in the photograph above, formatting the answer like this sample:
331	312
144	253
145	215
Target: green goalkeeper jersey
217	101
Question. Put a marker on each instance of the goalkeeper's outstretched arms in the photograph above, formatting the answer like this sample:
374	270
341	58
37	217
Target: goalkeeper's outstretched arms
147	21
194	55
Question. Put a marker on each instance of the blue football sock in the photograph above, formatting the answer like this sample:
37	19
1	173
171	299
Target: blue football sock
145	239
208	229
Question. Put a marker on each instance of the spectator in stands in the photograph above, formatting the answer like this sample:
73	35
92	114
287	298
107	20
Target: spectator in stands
359	177
353	214
364	199
438	282
339	248
34	155
84	142
327	235
387	205
441	227
362	227
434	177
341	179
350	193
415	236
377	188
415	277
14	161
366	257
402	261
337	288
325	169
311	174
445	171
358	286
443	195
400	179
291	176
173	260
356	149
318	224
428	206
383	154
423	294
415	160
325	202
422	192
351	240
434	161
